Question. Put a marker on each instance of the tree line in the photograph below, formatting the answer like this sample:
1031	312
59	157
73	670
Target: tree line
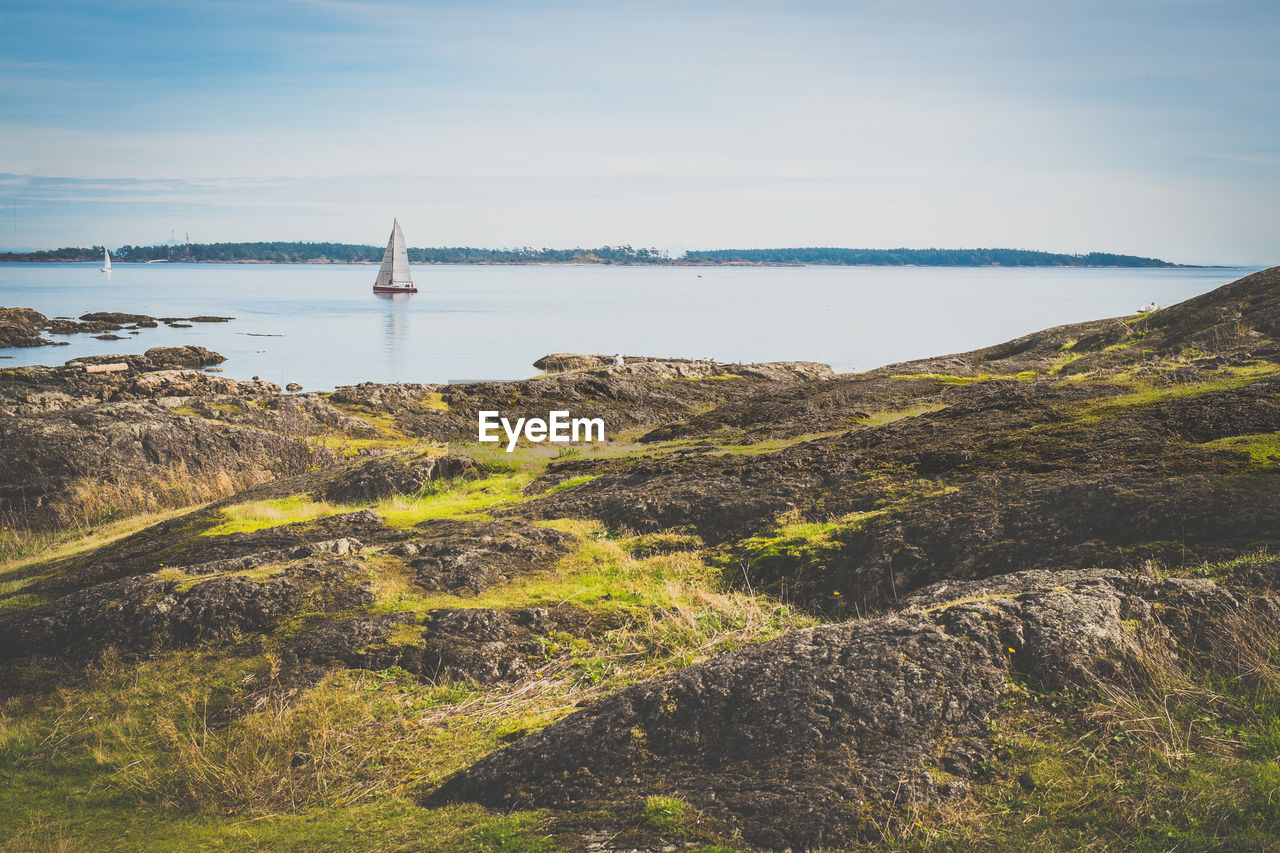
296	252
922	257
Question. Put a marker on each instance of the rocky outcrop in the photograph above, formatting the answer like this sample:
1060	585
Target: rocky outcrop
680	368
185	356
483	646
120	449
182	544
397	474
380	397
152	611
21	327
803	742
187	383
458	556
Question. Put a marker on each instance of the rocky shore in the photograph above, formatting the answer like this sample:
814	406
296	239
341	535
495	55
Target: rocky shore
1022	597
25	327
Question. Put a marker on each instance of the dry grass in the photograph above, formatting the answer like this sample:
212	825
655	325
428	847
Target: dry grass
23	547
1172	753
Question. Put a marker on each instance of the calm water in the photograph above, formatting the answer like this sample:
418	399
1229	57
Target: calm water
321	326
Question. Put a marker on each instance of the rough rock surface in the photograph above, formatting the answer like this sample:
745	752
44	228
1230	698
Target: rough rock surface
471	556
150	611
184	356
21	327
179	544
473	644
394	474
48	456
794	742
682	368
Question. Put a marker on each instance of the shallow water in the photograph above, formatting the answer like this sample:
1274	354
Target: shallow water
321	326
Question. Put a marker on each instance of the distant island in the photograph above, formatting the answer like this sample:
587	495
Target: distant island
349	253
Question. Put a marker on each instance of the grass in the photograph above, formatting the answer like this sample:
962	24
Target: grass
132	757
1263	449
187	749
666	814
796	546
888	416
457	499
945	378
1177	757
1145	394
90	505
22	548
256	515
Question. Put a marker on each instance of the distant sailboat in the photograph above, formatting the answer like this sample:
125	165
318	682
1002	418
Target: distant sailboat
393	275
106	261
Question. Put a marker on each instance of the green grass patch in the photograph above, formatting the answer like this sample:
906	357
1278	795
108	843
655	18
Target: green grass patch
666	814
442	499
945	378
351	447
1263	449
128	758
889	416
257	515
1146	395
794	543
565	485
469	498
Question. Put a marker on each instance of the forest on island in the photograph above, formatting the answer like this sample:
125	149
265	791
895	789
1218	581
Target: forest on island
298	252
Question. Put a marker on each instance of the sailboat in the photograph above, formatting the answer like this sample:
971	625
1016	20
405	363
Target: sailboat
106	261
393	275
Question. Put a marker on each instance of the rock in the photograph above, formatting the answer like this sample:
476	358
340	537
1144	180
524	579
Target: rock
383	398
796	742
21	327
116	317
52	456
188	383
149	612
562	362
474	644
109	367
470	556
395	474
293	387
681	368
185	356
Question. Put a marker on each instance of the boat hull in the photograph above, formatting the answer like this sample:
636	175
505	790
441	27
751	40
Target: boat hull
377	289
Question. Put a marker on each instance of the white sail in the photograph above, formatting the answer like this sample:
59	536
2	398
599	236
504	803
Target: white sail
394	271
106	261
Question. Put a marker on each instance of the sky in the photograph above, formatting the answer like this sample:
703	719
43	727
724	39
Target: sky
1132	126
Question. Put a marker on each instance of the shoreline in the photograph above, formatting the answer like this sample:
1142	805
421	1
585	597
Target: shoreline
692	264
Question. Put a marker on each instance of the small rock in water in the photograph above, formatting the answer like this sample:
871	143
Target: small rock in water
293	387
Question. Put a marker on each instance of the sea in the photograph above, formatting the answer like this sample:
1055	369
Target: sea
321	326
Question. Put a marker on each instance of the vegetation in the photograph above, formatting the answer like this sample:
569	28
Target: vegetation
922	257
301	252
